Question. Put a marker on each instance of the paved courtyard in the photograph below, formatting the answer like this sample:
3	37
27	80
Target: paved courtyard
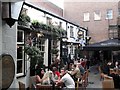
94	78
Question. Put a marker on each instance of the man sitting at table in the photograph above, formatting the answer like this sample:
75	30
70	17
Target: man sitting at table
76	72
66	79
116	79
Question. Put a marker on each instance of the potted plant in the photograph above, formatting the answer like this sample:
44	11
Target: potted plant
34	56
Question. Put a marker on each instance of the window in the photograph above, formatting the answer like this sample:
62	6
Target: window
20	37
97	15
49	21
20	53
71	31
41	46
60	25
113	31
71	49
86	16
118	11
109	14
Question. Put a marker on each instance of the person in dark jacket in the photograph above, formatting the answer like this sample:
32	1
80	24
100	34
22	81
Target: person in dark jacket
116	79
105	69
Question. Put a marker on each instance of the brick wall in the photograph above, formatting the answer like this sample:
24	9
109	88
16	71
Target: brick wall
98	30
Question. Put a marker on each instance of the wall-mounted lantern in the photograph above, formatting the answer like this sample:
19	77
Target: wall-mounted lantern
80	34
88	39
11	11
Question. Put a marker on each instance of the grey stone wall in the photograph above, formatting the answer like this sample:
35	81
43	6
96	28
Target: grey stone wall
9	38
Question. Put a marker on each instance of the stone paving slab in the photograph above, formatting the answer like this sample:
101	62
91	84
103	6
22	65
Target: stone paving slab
94	78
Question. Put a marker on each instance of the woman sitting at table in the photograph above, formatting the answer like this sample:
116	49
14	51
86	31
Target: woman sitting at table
47	78
56	73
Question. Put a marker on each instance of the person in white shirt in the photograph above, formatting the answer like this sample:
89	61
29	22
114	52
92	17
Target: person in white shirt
66	79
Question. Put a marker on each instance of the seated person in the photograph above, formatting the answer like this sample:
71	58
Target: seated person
66	79
83	63
69	66
56	73
116	79
117	66
105	69
76	72
42	72
82	70
47	78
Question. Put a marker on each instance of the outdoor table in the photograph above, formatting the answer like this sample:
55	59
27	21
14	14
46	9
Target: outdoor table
46	87
43	87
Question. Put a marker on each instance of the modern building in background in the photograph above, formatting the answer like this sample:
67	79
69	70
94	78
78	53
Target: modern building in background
101	18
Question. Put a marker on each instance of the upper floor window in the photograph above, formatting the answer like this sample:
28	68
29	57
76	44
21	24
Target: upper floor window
20	37
86	16
71	31
20	53
60	24
49	21
118	11
71	49
109	14
97	15
113	31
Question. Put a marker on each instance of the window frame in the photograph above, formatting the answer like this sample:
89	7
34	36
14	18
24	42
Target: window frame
71	32
118	11
21	44
71	50
113	34
108	14
40	46
96	13
86	16
49	20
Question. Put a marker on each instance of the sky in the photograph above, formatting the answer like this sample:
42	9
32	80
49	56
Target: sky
59	3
